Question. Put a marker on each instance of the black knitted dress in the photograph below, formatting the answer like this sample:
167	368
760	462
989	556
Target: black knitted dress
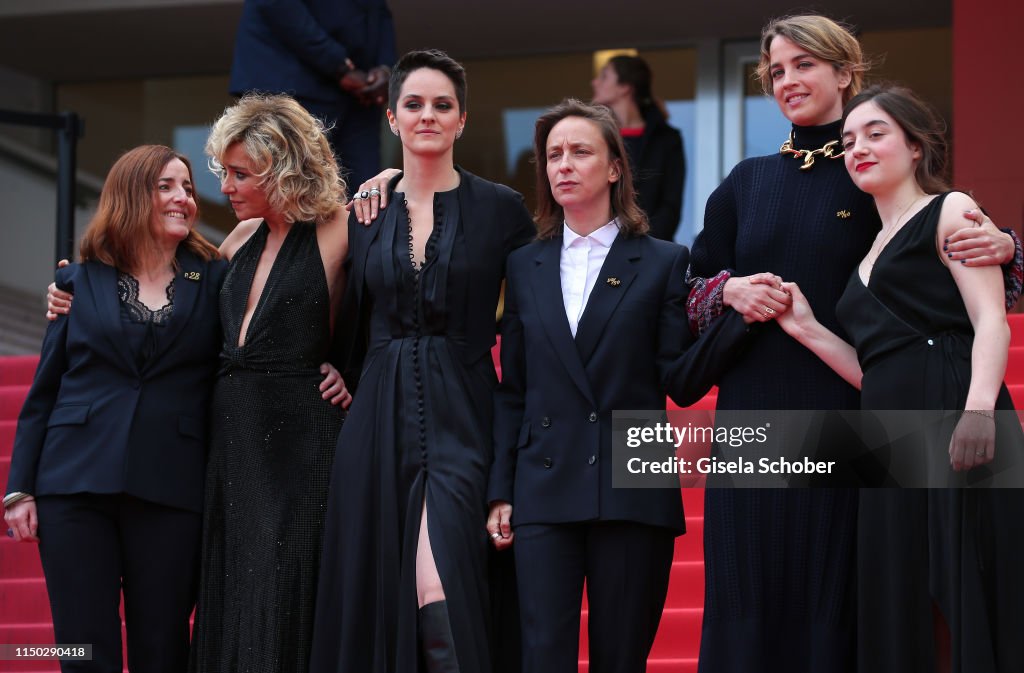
779	564
272	445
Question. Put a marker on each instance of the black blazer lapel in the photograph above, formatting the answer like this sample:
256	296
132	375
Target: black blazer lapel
547	292
187	284
617	273
103	282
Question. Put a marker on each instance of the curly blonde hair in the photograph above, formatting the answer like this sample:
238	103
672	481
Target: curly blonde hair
289	153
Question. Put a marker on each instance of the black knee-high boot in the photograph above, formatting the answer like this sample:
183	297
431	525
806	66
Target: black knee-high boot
436	640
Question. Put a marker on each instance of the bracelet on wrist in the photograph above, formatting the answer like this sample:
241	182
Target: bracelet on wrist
990	414
12	499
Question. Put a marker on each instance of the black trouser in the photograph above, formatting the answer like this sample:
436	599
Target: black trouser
93	547
626	567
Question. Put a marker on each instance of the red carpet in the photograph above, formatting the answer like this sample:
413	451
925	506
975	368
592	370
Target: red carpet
25	612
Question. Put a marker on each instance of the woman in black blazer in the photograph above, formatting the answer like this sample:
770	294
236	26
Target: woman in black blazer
595	321
109	456
655	149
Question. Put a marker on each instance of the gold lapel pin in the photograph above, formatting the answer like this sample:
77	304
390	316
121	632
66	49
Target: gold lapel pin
843	214
613	281
192	275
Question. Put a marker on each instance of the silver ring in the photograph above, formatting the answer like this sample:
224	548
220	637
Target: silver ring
364	194
374	192
979	453
769	310
495	536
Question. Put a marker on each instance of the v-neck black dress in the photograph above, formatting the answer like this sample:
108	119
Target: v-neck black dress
272	445
959	548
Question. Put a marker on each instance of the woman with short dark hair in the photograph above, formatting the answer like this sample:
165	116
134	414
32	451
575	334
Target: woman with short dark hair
405	569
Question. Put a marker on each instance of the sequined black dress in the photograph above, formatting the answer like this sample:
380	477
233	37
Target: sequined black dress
273	441
959	548
418	434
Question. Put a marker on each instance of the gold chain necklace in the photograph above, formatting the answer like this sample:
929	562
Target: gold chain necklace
827	150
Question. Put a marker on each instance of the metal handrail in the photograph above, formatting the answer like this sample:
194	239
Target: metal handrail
69	128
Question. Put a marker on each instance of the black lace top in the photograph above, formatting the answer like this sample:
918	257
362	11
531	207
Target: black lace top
142	325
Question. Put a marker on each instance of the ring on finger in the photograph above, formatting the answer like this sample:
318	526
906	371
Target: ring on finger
364	194
374	192
768	310
979	453
495	536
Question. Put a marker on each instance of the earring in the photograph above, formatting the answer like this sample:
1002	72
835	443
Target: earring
458	134
394	130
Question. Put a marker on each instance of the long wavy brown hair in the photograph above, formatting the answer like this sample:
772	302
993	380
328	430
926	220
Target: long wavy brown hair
550	216
121	232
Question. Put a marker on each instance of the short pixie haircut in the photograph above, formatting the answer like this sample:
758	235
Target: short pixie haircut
289	152
434	59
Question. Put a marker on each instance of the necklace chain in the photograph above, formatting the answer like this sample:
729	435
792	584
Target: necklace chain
892	232
827	150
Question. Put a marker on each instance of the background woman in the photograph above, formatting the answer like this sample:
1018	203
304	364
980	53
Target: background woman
273	433
779	563
109	455
405	521
655	149
929	333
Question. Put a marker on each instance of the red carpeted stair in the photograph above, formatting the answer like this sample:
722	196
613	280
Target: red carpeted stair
25	612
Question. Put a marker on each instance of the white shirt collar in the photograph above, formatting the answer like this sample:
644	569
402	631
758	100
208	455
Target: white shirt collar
604	236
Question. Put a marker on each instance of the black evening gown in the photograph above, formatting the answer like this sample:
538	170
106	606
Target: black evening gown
273	440
418	434
779	563
959	548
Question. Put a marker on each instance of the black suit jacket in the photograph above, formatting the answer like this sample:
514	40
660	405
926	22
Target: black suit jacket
297	46
553	409
497	222
93	422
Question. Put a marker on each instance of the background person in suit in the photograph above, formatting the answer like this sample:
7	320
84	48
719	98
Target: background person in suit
655	149
110	451
333	56
595	320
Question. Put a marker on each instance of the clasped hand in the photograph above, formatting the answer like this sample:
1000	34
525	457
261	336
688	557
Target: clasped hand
758	298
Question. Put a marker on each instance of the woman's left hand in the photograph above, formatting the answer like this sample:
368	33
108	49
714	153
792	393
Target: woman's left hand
499	525
973	442
980	244
376	199
23	520
333	387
